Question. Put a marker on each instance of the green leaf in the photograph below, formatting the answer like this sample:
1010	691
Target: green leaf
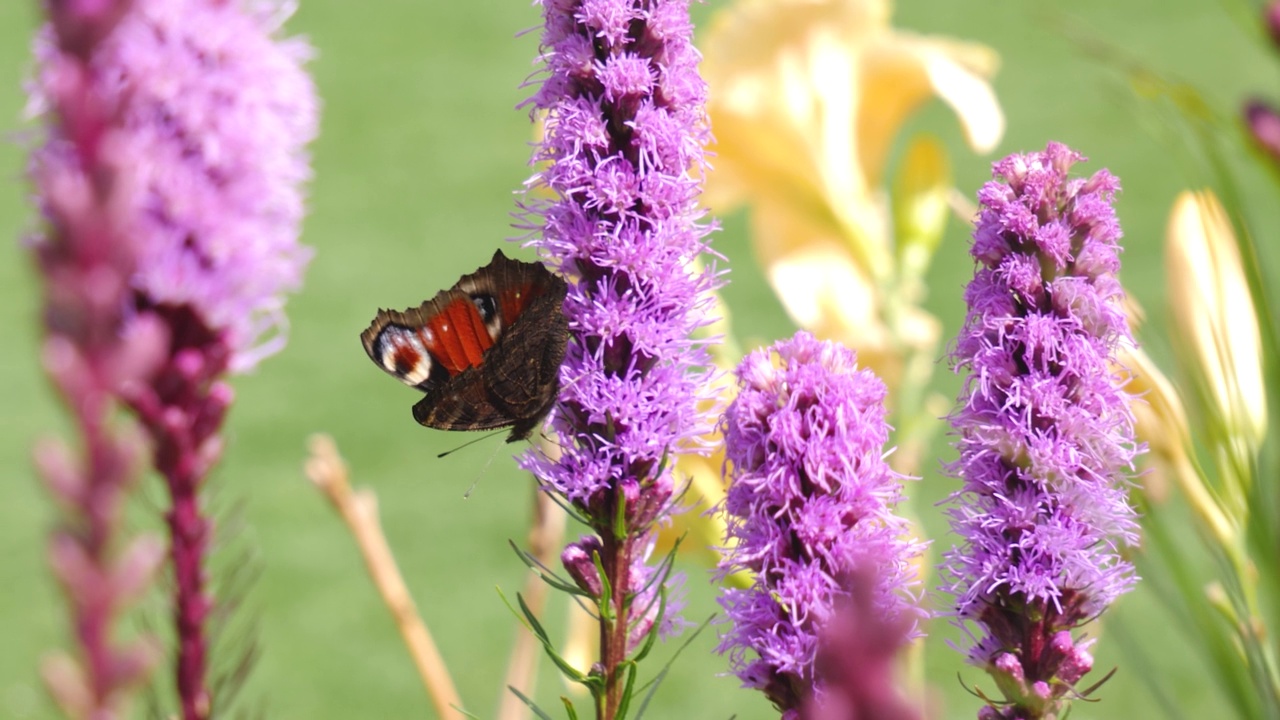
624	702
606	590
534	625
530	703
545	573
653	684
565	505
652	635
566	668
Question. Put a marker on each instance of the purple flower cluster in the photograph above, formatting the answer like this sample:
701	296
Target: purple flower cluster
623	146
809	510
1263	123
218	115
621	159
214	113
1045	429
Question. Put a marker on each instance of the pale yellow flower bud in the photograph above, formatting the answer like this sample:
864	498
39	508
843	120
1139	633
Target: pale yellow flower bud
1216	327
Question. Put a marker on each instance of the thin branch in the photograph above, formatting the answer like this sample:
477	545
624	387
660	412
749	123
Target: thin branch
359	509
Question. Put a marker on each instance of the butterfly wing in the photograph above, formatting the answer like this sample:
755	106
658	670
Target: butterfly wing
486	352
460	404
523	375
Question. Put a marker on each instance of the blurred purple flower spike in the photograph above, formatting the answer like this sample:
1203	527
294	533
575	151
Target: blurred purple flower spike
1263	124
213	114
90	351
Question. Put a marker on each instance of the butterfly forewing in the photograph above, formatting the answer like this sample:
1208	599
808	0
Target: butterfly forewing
486	352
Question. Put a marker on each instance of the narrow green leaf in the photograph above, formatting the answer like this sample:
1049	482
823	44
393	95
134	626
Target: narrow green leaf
513	610
624	702
569	708
530	703
545	573
534	625
653	684
606	590
652	635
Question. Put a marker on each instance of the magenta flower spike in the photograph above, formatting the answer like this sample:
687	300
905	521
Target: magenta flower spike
215	113
810	515
621	160
1045	431
90	350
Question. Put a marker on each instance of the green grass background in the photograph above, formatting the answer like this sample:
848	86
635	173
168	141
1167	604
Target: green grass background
420	151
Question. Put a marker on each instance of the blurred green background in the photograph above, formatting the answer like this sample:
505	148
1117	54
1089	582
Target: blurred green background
420	151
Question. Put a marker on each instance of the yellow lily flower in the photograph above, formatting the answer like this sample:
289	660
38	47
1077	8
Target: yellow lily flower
1218	333
805	99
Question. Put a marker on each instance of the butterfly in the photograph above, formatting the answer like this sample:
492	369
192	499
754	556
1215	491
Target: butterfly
486	352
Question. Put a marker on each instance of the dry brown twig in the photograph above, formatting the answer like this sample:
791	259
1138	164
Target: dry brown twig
359	509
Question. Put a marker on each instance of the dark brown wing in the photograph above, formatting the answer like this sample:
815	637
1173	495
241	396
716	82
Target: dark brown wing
522	372
486	352
461	403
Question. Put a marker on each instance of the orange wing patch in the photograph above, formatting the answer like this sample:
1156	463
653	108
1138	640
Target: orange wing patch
458	336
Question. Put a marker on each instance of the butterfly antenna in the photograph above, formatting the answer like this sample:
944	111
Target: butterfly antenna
469	443
467	495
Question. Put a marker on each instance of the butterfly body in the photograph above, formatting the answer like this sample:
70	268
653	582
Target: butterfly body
486	352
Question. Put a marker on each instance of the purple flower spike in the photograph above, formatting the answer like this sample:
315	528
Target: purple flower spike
218	115
1046	431
810	512
621	159
857	658
90	350
214	115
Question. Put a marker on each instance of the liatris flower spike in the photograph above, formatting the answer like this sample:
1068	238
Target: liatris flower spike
90	350
810	507
217	116
1045	431
621	160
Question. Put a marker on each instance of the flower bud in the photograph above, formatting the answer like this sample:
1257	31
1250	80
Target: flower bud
1264	125
579	561
1218	327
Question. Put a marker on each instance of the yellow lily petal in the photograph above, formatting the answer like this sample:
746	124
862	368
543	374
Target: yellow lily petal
806	97
902	71
823	290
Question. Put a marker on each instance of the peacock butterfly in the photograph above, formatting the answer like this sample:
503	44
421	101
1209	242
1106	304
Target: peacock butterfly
486	352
